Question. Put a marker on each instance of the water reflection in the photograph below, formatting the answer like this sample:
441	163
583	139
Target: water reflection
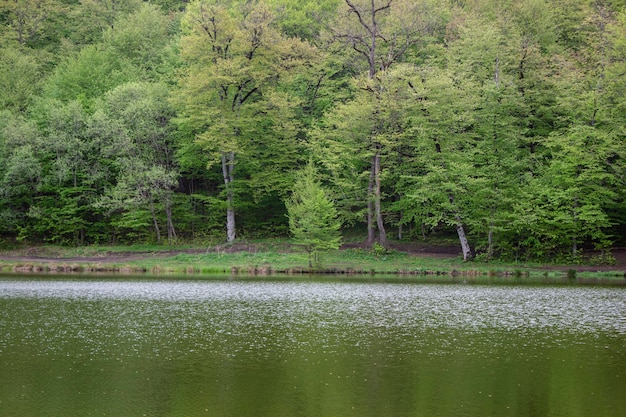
250	348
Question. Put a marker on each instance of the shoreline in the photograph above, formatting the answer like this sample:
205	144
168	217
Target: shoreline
277	258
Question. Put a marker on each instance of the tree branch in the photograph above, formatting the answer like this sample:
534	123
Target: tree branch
356	11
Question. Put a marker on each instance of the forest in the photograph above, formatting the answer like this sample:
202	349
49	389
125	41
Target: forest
500	123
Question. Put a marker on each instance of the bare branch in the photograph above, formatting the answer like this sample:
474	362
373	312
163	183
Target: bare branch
356	11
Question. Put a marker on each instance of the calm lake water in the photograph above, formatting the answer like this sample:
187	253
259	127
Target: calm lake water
120	347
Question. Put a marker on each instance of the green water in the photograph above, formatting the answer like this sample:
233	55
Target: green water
86	347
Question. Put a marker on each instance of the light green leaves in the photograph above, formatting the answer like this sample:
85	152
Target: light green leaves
312	216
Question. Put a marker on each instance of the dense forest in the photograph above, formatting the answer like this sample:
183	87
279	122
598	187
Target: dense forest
499	122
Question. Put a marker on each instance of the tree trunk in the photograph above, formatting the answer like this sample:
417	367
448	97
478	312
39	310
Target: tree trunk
228	165
465	247
382	234
371	231
575	217
490	240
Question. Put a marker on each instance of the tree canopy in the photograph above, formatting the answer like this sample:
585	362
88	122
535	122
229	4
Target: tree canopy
496	123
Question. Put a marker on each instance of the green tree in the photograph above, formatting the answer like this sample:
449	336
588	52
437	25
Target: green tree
235	62
443	176
89	74
481	58
20	173
140	148
143	39
304	19
381	33
72	174
312	216
26	20
582	178
93	18
20	76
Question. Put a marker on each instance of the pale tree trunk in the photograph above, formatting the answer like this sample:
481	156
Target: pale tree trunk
490	240
371	231
228	166
575	217
382	234
465	247
460	230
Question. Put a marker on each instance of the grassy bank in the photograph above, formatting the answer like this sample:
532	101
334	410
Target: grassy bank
277	257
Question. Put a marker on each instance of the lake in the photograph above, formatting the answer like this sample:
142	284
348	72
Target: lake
89	346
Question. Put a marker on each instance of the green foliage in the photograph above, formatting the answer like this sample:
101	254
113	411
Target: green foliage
141	38
28	22
20	76
312	216
304	19
130	120
88	75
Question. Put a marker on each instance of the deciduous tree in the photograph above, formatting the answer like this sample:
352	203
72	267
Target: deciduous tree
234	59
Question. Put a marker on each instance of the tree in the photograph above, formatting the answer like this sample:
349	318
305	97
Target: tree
26	19
20	172
234	63
20	77
381	33
142	155
312	216
71	177
481	59
304	19
142	39
93	18
88	74
443	176
582	177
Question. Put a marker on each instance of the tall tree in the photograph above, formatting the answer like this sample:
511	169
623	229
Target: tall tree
20	173
480	56
443	175
381	33
142	154
233	59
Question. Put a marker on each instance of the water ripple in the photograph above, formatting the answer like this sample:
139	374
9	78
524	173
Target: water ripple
173	318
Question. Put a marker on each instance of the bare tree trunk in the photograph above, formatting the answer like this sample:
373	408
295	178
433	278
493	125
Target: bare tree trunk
490	239
371	231
460	230
575	216
465	247
228	165
382	234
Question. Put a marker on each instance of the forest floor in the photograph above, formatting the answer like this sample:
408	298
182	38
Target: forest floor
47	254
